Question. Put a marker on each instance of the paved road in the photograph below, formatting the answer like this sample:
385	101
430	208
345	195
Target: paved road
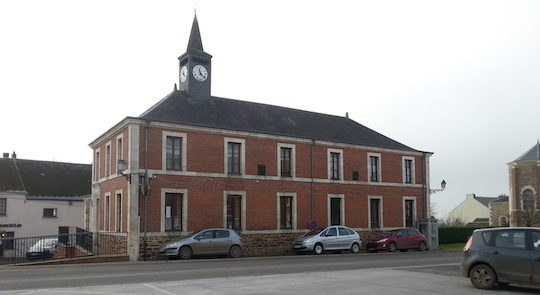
382	273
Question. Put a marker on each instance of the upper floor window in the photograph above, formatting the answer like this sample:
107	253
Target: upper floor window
286	162
174	153
3	206
49	212
528	199
408	170
97	167
233	157
108	160
374	170
335	164
119	149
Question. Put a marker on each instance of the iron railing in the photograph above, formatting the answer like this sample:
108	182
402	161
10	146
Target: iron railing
69	245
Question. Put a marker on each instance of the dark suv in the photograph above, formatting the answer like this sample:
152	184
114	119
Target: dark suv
502	256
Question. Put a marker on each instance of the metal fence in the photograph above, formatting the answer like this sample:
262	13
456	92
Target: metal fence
68	245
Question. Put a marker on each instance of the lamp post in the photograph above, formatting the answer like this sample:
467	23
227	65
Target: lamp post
433	234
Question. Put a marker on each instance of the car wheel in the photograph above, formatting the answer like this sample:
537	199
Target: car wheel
392	247
318	249
355	248
235	251
482	276
185	252
422	246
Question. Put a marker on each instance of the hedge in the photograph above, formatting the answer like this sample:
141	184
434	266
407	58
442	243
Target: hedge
455	234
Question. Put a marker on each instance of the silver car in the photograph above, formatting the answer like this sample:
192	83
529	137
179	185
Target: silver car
212	241
336	237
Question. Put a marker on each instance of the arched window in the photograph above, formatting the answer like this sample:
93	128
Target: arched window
503	221
528	199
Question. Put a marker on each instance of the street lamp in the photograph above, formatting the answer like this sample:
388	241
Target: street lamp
122	167
436	190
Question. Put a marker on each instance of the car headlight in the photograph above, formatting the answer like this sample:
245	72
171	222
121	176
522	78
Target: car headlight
382	240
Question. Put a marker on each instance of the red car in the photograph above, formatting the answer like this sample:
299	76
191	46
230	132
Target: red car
398	239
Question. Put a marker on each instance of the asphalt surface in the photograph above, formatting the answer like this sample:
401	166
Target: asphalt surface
381	273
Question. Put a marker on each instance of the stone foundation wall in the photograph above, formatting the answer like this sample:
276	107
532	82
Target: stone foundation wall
270	244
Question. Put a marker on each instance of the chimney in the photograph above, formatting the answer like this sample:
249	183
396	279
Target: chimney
6	155
14	155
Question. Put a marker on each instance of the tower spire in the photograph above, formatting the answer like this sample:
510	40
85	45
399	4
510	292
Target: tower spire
195	41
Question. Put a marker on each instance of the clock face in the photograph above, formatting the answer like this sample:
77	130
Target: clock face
200	73
183	74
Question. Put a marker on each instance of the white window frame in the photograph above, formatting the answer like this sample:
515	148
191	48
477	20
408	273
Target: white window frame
183	152
118	219
54	212
108	159
329	163
293	158
107	212
342	208
119	150
379	168
413	178
521	196
97	164
185	210
414	210
294	210
243	208
381	210
242	143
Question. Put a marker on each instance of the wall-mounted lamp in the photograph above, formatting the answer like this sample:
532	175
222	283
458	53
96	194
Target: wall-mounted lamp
122	167
436	190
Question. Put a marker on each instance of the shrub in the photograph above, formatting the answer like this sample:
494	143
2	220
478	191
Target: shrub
455	234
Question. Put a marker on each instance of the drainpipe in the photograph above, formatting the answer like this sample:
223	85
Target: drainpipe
145	186
311	183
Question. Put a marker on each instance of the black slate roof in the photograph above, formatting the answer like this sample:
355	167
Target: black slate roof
230	114
531	155
484	200
52	180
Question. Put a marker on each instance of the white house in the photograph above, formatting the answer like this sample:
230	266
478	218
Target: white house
37	197
473	210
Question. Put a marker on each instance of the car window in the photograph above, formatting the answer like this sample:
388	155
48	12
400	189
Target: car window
331	232
343	231
209	234
352	232
536	240
510	239
412	232
487	236
402	233
220	234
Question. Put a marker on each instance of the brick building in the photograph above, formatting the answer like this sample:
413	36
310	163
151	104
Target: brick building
524	185
195	161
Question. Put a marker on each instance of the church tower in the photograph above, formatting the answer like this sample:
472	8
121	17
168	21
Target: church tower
195	66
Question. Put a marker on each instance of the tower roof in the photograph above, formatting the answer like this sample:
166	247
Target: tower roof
531	155
195	41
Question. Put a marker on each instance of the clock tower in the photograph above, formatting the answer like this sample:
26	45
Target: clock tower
195	66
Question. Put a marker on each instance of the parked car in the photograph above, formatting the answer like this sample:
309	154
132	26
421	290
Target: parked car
42	249
398	239
502	256
213	241
328	239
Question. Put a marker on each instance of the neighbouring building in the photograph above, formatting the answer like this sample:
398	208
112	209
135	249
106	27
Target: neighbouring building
473	210
194	161
499	215
524	182
36	197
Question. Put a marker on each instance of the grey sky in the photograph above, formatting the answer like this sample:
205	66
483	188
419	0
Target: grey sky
457	78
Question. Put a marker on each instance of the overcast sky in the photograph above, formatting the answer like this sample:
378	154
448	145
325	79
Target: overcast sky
456	78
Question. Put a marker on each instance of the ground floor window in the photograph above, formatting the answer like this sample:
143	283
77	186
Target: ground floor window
335	211
409	213
173	212
286	212
234	212
375	213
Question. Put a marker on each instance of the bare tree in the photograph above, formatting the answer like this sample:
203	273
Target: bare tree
529	217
